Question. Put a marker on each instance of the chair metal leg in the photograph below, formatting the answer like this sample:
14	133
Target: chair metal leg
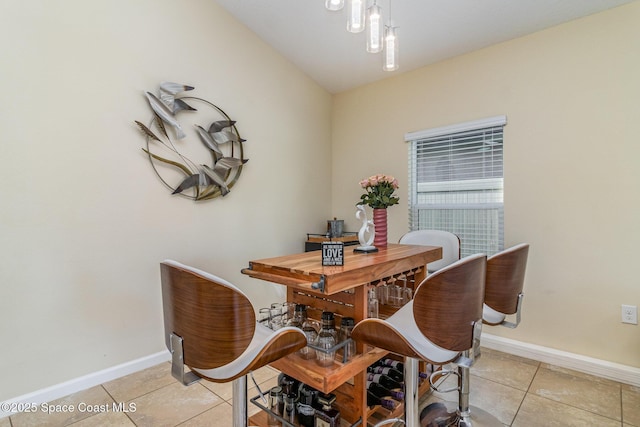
411	398
177	362
444	414
239	407
463	396
471	416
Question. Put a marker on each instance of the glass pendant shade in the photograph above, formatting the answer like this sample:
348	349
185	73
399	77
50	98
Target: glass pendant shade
334	5
390	49
355	15
374	29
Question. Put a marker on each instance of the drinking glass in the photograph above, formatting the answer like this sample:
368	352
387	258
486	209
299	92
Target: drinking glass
395	296
383	293
276	309
372	309
264	316
288	310
276	322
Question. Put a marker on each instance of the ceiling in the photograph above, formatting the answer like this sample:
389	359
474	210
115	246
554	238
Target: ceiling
316	40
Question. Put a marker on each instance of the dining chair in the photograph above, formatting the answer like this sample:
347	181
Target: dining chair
211	330
449	242
502	297
442	324
503	290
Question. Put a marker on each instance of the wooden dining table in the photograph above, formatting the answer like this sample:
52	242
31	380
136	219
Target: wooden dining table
342	290
305	270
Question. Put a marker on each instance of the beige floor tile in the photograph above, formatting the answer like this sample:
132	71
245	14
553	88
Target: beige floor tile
139	383
582	391
581	375
512	371
264	374
67	410
265	379
498	354
172	405
219	416
111	419
252	392
499	400
631	405
4	422
537	411
224	390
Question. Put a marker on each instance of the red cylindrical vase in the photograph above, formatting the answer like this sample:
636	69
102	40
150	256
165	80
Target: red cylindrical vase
380	224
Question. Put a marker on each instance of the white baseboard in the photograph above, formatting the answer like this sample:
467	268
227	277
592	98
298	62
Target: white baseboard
87	381
601	368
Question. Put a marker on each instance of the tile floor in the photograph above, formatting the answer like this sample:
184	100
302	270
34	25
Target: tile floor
520	392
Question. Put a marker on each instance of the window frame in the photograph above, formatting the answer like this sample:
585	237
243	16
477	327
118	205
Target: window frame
497	184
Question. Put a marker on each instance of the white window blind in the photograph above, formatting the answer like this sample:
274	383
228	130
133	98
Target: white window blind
456	183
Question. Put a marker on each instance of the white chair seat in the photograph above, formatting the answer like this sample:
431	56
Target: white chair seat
403	322
491	316
262	337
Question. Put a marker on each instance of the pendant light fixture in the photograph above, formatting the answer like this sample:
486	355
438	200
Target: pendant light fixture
379	37
334	5
355	15
374	28
390	46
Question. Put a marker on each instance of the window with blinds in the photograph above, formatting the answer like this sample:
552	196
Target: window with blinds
456	183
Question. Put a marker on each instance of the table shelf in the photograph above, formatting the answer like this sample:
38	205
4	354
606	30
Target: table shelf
261	418
327	379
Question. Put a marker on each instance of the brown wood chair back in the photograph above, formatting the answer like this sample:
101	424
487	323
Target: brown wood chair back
448	303
505	278
215	320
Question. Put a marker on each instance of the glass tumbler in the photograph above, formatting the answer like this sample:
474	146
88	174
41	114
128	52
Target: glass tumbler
276	309
395	296
264	316
276	322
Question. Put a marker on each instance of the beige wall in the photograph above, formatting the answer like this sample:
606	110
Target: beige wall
570	95
84	222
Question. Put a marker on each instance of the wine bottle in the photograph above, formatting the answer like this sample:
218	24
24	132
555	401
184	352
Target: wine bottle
390	372
400	367
393	363
381	391
383	380
326	415
385	402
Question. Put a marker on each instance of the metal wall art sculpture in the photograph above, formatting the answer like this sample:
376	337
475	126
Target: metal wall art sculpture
205	132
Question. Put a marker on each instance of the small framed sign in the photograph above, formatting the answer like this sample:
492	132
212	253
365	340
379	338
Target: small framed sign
332	253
